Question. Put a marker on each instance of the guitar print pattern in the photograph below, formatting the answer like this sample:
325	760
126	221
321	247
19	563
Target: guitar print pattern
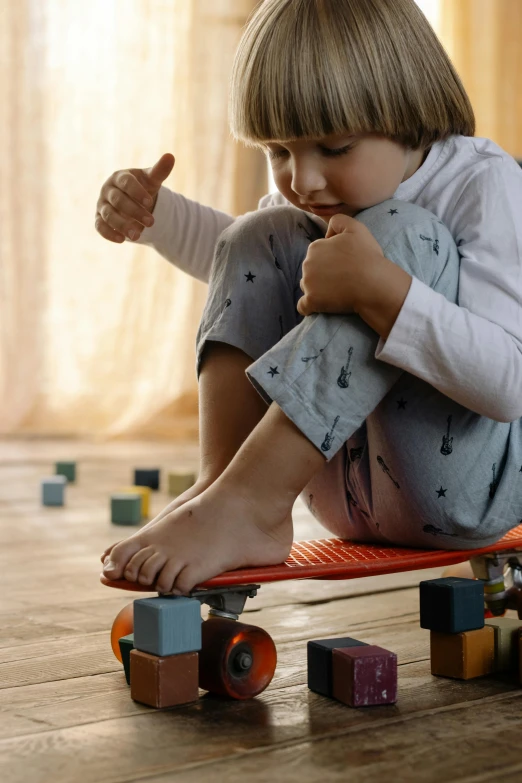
321	371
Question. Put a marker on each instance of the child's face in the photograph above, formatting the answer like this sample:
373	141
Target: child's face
366	170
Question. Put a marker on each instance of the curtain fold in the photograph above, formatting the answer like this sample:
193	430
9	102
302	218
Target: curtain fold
98	339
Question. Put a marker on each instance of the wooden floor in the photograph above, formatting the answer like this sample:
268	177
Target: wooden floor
65	710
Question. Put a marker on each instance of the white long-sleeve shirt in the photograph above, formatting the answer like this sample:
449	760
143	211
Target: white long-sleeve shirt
470	351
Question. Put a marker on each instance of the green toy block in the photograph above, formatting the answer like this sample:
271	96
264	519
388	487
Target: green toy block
125	509
126	645
67	469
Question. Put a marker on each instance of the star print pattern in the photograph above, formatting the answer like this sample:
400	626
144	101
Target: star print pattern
447	447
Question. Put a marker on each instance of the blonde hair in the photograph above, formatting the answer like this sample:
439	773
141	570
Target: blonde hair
306	69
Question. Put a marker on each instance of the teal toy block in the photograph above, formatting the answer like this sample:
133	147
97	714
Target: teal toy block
53	490
67	469
167	625
126	644
125	509
452	604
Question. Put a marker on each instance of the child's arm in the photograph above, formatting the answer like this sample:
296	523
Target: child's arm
472	351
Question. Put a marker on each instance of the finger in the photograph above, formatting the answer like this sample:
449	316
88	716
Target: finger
121	223
127	208
161	170
340	224
128	181
106	231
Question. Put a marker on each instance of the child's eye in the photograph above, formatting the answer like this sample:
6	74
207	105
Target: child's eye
329	153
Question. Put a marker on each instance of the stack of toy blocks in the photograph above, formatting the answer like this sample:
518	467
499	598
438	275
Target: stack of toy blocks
164	656
352	672
144	495
461	644
180	482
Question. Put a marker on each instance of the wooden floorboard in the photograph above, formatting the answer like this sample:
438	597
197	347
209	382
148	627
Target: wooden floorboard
65	710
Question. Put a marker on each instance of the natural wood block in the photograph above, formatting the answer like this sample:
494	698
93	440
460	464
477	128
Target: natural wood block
180	482
163	682
463	655
506	642
364	676
144	493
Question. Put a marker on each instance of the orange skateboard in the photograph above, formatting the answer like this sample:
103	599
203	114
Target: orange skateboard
499	566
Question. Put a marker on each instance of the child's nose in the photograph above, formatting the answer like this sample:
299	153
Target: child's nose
307	181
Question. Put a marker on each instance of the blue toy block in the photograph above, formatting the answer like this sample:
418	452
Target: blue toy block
147	478
67	469
167	625
53	490
319	655
126	644
125	509
452	604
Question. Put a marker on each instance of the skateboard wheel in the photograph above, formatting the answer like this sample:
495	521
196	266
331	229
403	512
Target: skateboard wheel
235	660
122	626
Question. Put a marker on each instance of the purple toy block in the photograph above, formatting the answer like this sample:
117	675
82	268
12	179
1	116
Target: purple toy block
364	676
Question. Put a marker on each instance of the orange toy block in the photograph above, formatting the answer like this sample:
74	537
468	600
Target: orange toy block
463	655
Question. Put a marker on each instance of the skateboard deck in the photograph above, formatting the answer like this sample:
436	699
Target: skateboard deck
335	558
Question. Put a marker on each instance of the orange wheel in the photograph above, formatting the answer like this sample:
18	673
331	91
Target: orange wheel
123	624
235	659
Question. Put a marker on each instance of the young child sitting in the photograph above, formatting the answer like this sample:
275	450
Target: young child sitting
373	303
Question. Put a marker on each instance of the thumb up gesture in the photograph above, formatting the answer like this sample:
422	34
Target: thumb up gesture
127	200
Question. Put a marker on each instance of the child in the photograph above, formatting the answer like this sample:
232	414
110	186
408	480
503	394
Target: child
391	362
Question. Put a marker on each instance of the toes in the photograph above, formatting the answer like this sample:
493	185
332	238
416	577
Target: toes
133	566
189	577
165	580
151	567
120	556
107	552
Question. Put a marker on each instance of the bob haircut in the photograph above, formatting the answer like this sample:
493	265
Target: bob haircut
305	69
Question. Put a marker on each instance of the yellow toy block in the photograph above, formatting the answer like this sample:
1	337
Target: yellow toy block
180	482
145	498
463	655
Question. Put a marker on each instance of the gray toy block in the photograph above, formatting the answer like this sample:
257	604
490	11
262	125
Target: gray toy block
67	469
125	509
167	625
53	490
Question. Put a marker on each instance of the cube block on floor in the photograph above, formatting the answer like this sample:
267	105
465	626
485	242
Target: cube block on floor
167	626
163	681
125	509
53	490
319	662
126	644
147	477
364	676
180	482
67	469
451	604
506	642
144	494
463	655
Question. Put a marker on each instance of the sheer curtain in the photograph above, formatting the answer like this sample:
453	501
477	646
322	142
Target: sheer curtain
96	338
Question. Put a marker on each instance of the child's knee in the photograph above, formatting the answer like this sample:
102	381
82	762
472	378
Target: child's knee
416	240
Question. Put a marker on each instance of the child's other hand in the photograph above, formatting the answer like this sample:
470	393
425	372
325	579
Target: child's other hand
336	267
122	209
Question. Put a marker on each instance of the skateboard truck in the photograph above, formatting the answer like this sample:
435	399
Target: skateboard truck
490	568
227	602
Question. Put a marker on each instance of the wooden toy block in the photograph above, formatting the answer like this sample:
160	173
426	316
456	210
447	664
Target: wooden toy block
180	482
126	644
53	490
364	676
451	604
463	656
147	477
506	642
163	681
125	509
319	662
67	469
144	493
167	625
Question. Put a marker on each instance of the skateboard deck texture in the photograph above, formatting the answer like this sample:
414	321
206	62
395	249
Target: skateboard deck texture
335	558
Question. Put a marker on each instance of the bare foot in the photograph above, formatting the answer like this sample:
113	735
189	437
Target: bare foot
192	492
219	530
